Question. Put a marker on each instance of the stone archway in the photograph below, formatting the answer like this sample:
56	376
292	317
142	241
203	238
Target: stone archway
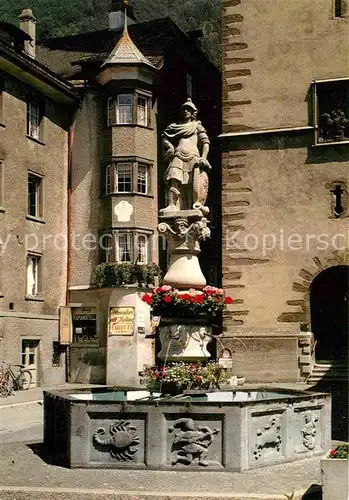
297	309
328	300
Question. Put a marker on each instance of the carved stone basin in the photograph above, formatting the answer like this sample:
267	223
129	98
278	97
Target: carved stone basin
220	430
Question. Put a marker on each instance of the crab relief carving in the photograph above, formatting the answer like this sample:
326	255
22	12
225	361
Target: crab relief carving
122	441
309	430
268	437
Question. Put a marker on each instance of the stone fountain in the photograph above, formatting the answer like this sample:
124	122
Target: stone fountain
229	430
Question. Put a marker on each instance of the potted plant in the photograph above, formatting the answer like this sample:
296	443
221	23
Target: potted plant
114	274
169	302
179	377
334	473
186	319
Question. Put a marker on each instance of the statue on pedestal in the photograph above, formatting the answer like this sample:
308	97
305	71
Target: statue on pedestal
186	147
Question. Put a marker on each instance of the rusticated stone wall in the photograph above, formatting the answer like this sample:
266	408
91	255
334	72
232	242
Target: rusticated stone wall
274	180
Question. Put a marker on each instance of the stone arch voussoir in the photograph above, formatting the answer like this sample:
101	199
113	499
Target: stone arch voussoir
297	309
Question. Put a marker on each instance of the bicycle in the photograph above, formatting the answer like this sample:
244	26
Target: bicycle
5	388
12	381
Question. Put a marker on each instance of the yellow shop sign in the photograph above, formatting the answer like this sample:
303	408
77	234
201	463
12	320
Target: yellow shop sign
121	320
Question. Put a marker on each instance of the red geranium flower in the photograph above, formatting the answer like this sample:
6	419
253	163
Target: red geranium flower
228	300
147	298
167	299
333	453
184	296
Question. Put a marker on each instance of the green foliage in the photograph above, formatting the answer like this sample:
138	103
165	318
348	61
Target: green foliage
69	17
341	451
184	376
114	275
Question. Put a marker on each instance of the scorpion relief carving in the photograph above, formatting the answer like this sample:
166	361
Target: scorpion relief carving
309	430
122	441
268	437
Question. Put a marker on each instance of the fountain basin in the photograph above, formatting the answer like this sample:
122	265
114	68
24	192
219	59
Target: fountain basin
219	430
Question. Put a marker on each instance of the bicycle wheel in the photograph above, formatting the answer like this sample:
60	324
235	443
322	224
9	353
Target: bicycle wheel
5	388
24	380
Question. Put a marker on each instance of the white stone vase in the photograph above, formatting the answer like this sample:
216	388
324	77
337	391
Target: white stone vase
334	478
184	342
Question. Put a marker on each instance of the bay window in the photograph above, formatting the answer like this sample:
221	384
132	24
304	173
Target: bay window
124	109
131	176
126	246
142	249
142	179
131	108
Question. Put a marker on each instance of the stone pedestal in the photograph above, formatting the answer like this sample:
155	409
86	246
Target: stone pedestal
184	342
184	229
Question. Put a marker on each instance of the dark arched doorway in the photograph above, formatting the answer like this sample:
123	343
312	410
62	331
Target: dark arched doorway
329	313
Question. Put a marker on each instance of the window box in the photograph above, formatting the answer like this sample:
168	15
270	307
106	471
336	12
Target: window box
331	107
132	108
113	274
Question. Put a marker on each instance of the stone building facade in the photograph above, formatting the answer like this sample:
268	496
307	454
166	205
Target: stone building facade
285	146
36	109
125	85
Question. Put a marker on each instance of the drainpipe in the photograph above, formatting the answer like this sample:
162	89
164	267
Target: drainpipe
70	147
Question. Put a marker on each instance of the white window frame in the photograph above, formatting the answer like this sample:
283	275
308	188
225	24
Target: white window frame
119	166
140	181
142	111
34	119
111	110
120	120
124	240
33	279
316	83
38	195
144	250
137	114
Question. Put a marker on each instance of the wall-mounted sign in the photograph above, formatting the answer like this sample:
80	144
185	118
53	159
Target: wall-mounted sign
121	320
226	358
84	324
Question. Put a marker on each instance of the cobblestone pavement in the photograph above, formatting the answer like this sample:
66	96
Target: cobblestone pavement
26	466
26	473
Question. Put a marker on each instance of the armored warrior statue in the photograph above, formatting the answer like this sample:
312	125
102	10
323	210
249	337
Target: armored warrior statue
186	147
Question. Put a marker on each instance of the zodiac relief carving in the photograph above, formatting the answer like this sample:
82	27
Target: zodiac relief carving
309	430
191	443
122	441
268	437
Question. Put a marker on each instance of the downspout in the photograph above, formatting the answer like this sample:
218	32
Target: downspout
71	131
69	186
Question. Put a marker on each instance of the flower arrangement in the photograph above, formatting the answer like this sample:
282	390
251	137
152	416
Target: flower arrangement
170	302
341	451
184	376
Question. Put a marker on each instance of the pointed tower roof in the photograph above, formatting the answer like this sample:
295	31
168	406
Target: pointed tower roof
126	52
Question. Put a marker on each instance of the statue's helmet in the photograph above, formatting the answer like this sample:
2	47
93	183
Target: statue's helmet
189	104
